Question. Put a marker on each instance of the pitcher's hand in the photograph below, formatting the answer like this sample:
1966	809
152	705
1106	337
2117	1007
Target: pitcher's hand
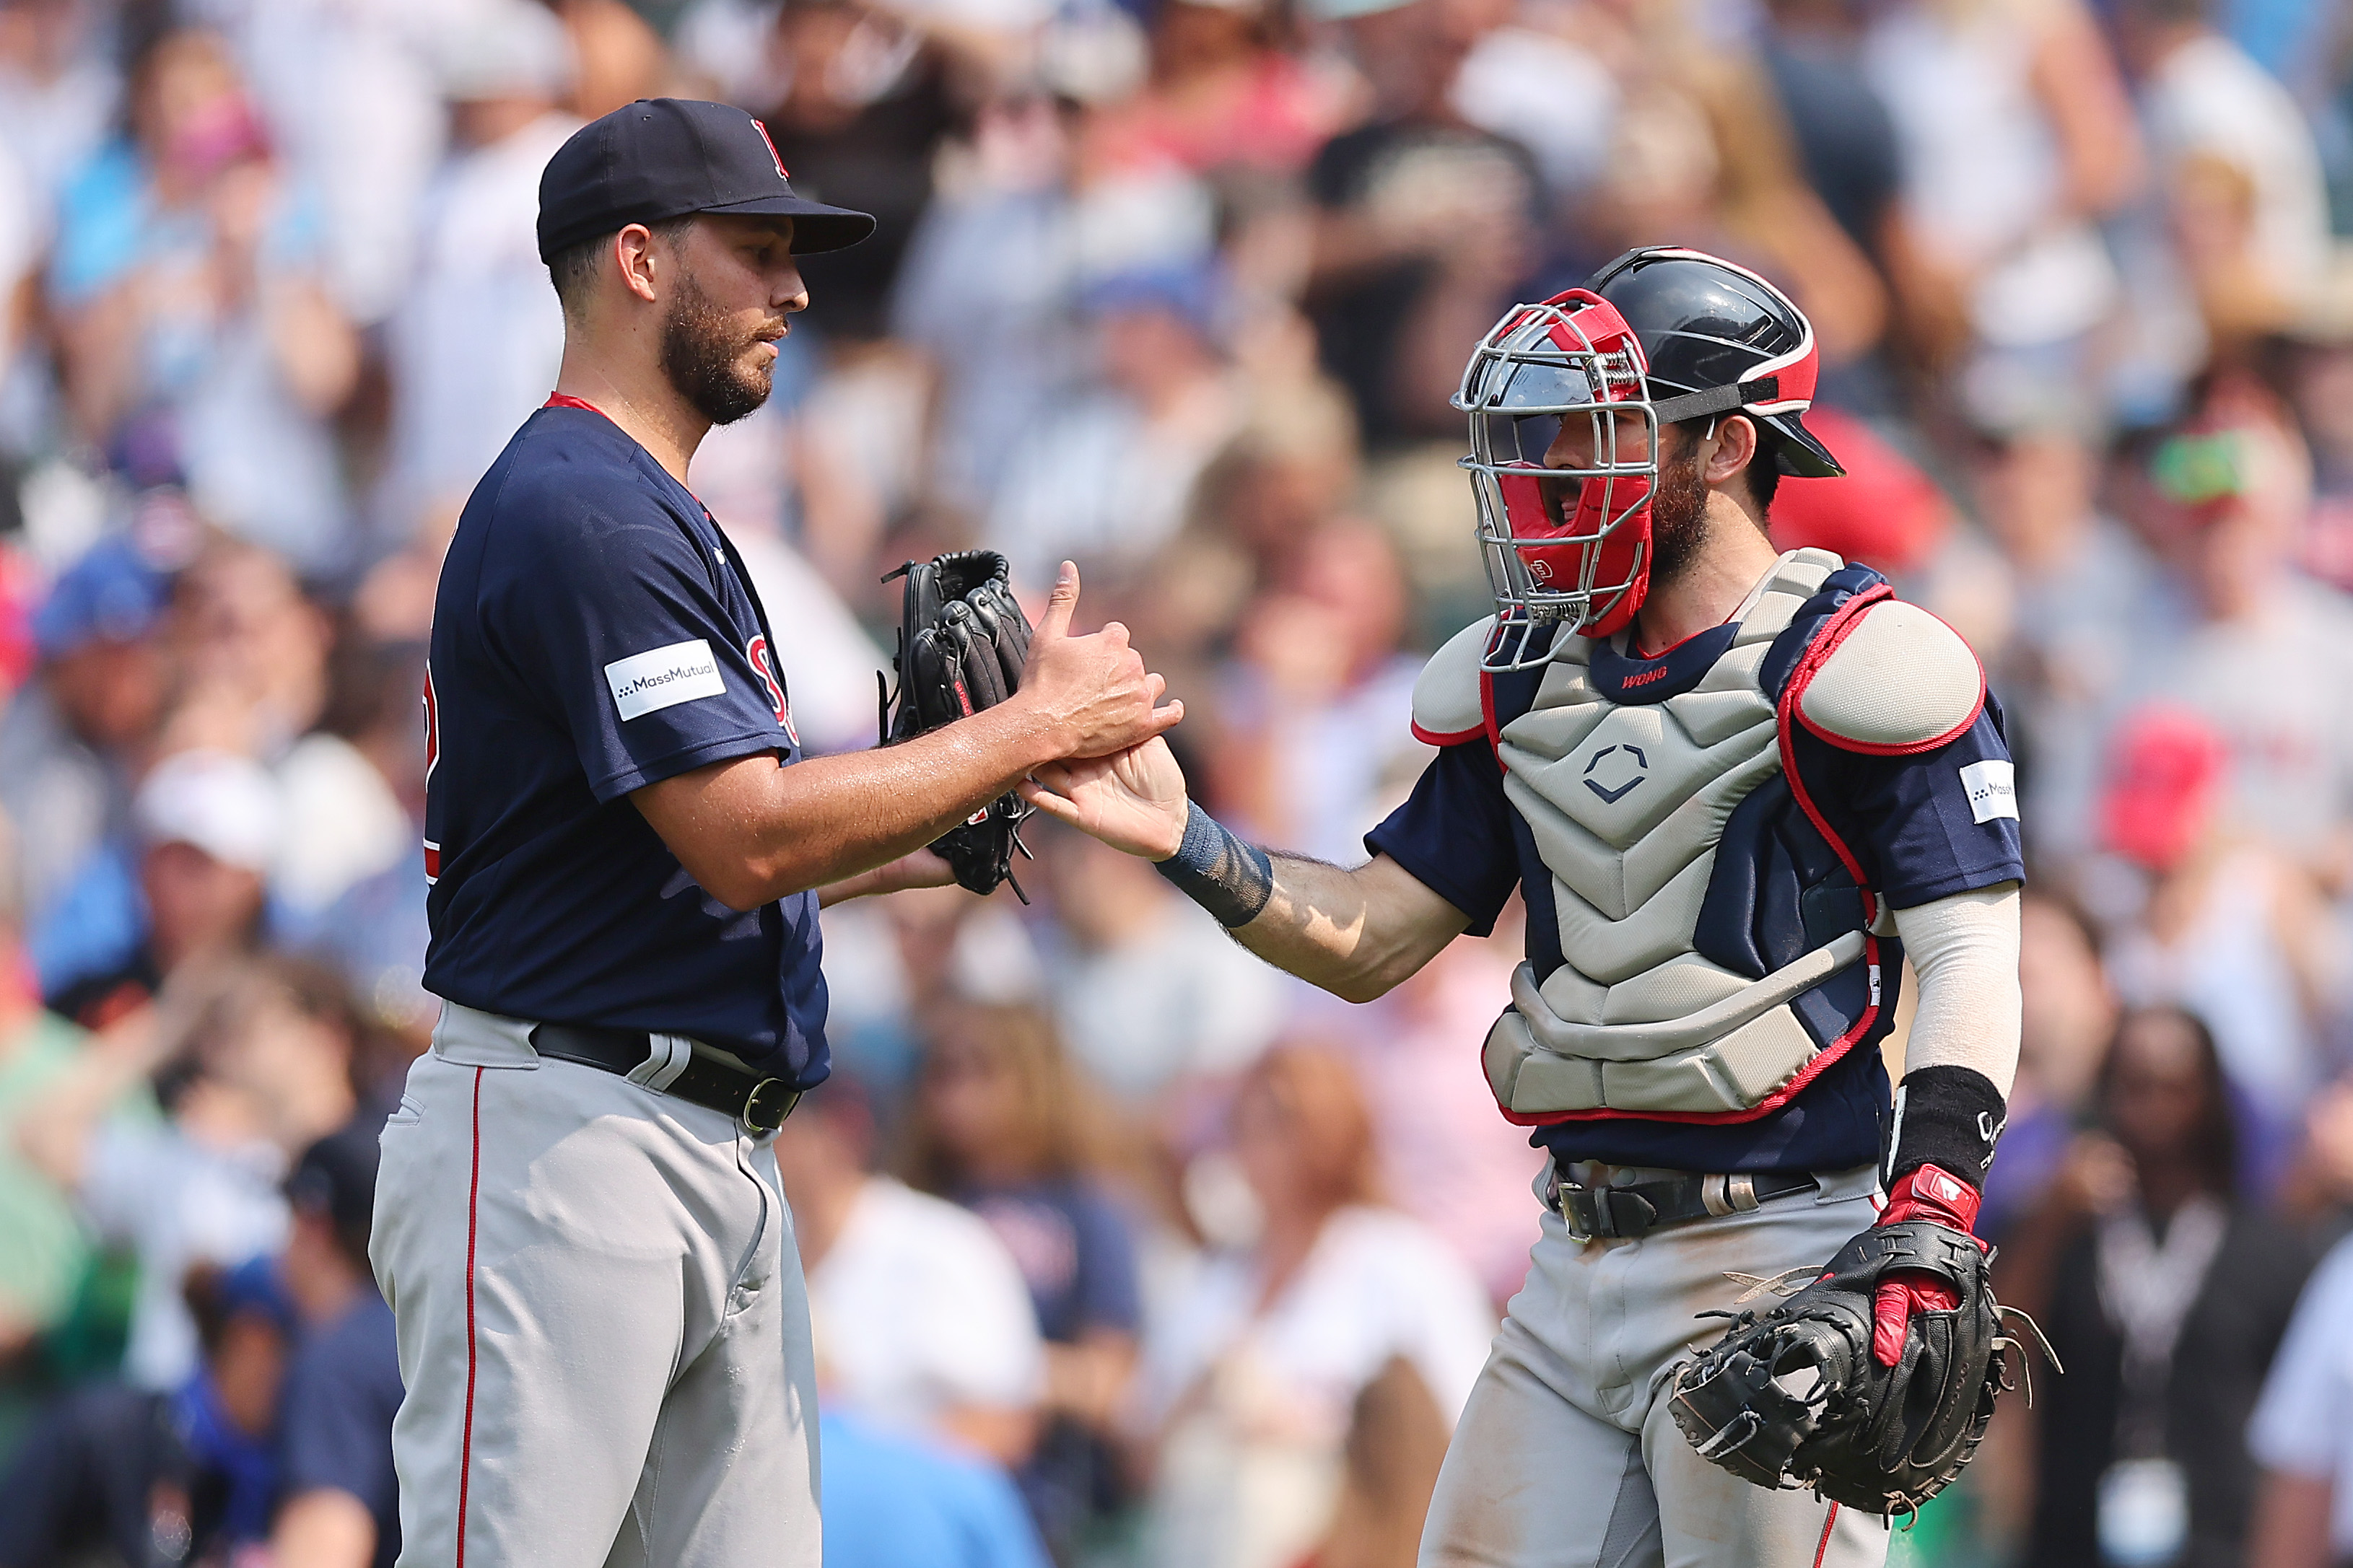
1093	691
1133	800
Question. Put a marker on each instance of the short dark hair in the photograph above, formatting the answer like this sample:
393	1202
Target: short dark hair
571	268
1763	470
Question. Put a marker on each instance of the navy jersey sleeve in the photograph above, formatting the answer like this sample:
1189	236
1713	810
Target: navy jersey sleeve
1927	826
1454	834
618	619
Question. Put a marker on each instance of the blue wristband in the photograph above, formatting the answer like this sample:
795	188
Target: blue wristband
1230	878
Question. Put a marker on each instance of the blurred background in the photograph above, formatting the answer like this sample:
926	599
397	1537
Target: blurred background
1126	1250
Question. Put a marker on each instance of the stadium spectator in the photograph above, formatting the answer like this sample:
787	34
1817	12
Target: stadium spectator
69	749
207	822
1424	224
174	1126
2226	494
922	1321
1314	736
2069	1015
44	1250
474	340
1000	1123
2231	929
2164	1298
196	331
1251	1373
1397	1438
1104	477
2304	1515
186	1475
2235	173
2016	138
341	1502
1150	995
891	1500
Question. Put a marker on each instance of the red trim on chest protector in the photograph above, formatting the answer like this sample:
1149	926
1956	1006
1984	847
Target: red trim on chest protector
1841	625
1834	631
1814	1069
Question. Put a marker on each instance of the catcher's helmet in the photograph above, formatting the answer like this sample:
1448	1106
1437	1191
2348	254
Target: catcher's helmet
1658	336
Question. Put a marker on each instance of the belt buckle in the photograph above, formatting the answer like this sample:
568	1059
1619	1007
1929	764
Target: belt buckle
1587	1219
770	1095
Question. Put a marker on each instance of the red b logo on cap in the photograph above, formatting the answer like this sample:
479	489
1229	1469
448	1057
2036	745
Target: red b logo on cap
761	127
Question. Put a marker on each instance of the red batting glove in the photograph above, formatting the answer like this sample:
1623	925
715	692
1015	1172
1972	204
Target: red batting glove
1925	1192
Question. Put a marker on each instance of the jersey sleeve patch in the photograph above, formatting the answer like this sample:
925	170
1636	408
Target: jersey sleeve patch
664	676
1447	710
1899	681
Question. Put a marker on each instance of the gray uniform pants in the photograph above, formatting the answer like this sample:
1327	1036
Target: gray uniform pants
604	1332
1567	1456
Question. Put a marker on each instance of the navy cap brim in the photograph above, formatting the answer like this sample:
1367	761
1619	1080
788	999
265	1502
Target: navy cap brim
815	227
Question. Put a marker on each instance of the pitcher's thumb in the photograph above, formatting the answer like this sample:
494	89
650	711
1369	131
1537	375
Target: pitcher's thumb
1056	621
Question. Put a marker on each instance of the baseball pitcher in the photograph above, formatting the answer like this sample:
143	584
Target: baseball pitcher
603	1334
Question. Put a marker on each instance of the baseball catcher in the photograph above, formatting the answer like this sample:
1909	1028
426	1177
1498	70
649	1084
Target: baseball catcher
962	643
1735	787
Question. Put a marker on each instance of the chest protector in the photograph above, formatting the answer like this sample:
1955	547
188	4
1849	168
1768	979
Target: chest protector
1716	945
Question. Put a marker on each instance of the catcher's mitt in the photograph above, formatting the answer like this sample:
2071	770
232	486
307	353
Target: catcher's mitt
962	644
1793	1396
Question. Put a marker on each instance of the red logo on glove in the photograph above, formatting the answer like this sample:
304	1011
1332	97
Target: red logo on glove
1926	1194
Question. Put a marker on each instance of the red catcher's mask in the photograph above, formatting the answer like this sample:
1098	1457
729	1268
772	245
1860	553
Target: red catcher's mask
1565	545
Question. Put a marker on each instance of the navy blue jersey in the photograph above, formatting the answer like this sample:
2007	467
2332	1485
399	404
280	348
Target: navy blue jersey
594	635
1907	820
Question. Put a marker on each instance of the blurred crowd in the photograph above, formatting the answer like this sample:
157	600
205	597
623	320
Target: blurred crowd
1124	1250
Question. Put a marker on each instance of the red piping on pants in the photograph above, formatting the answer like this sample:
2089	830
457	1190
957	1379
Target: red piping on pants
473	1212
1823	1549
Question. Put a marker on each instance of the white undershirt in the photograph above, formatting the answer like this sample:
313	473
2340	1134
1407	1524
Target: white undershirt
1964	949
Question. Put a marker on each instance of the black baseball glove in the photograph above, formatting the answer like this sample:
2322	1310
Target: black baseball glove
1794	1396
962	644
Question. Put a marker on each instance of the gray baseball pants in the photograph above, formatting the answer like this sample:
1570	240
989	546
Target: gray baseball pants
604	1332
1565	1456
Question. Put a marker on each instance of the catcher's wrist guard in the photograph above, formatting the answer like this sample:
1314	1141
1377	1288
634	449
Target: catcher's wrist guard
962	642
1226	875
1949	1117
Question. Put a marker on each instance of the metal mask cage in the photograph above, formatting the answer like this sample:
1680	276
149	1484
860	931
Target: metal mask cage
1537	368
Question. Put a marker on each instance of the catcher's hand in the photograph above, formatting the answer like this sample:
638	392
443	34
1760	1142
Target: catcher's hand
1874	1384
963	641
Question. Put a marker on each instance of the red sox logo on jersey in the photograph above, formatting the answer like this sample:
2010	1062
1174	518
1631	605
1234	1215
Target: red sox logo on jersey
757	650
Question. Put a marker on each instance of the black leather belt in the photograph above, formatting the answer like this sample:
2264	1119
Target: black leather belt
668	1066
1643	1207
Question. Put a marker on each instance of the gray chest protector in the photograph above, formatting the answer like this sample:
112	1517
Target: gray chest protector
1627	803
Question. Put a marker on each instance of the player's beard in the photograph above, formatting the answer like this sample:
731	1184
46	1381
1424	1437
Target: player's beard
702	353
1678	516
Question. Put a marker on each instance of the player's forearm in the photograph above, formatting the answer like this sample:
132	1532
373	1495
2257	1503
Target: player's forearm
1355	933
1963	1052
750	833
1965	950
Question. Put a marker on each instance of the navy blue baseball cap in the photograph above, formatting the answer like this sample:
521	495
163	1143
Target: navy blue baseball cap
663	158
